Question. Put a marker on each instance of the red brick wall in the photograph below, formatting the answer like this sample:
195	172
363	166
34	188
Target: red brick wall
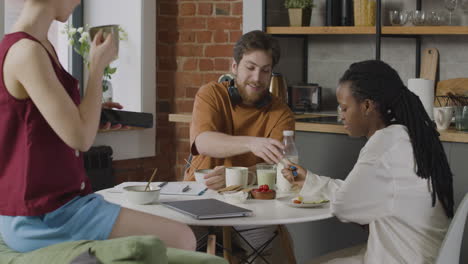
194	46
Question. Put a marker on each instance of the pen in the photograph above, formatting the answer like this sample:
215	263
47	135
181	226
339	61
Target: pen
162	184
186	188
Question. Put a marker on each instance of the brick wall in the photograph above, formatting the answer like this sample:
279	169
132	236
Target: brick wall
194	46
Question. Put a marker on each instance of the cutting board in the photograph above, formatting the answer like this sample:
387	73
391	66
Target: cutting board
458	86
429	61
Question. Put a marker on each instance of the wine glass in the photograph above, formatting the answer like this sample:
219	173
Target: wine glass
450	5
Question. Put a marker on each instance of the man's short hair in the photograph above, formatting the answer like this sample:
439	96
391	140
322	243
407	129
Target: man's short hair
257	40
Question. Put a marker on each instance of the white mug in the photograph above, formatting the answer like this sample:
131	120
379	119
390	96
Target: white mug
237	176
443	117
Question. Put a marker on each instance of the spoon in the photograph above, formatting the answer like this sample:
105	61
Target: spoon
151	179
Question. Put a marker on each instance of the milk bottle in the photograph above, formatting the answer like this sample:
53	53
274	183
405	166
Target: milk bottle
290	153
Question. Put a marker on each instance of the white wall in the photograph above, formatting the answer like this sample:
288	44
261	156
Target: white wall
2	18
134	83
252	15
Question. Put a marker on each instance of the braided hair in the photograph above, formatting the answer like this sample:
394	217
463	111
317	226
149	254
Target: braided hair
377	81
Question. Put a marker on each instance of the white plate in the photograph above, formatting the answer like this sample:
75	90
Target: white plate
288	201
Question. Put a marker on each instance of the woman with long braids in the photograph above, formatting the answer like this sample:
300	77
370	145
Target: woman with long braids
401	185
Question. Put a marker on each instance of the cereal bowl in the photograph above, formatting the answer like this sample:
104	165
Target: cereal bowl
136	194
238	197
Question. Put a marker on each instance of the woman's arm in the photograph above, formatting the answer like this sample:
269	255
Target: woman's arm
29	66
366	194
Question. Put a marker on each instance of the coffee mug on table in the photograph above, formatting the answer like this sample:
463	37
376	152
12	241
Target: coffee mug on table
237	176
443	117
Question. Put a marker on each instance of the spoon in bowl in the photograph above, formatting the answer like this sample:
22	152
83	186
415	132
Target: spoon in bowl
151	179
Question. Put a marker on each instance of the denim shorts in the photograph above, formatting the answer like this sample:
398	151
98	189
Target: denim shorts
87	217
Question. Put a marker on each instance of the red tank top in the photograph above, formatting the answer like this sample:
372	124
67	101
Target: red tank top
38	171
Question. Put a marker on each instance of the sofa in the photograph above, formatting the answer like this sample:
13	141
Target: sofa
126	250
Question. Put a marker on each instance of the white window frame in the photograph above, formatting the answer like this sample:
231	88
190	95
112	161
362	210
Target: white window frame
136	70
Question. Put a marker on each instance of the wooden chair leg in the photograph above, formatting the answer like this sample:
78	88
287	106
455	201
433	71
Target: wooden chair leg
287	243
211	244
227	243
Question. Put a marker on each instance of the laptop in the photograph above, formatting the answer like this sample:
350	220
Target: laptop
208	209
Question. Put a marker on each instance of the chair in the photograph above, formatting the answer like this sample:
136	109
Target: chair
449	252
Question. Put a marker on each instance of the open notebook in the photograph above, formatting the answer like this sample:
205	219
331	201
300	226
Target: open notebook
208	208
171	188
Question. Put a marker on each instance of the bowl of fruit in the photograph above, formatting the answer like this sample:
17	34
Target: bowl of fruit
263	193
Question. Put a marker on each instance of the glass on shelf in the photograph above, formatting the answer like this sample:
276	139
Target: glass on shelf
450	5
398	18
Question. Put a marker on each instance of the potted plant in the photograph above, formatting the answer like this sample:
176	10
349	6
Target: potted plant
79	39
299	12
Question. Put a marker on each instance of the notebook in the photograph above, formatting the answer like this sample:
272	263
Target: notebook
208	209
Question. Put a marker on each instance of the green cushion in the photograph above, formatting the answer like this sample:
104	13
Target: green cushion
126	250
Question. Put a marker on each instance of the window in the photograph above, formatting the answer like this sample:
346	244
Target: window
134	83
135	80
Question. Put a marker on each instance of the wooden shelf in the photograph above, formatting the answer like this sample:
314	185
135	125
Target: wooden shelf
389	30
423	30
321	30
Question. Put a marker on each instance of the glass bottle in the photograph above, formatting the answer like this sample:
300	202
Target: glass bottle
290	153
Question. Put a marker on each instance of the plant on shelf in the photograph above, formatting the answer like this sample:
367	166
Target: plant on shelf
299	12
80	40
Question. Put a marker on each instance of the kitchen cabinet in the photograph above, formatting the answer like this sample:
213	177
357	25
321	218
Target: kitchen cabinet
379	31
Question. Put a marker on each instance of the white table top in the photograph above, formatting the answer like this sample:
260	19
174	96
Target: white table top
265	212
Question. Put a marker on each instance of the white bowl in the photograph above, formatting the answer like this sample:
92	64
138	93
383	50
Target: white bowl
234	197
136	194
200	174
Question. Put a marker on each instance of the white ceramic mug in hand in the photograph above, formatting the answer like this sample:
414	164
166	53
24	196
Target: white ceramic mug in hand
200	175
443	117
237	176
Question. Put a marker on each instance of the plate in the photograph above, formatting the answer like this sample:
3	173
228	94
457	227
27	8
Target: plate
288	201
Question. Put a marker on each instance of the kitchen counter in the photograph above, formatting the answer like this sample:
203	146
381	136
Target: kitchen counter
449	135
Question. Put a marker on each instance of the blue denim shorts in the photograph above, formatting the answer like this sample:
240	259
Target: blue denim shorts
87	217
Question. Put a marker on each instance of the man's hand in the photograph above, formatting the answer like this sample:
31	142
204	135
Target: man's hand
269	149
216	179
107	126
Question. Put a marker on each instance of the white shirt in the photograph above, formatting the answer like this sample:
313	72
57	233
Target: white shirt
383	190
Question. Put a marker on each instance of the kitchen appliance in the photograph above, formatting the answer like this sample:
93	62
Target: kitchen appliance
278	86
305	97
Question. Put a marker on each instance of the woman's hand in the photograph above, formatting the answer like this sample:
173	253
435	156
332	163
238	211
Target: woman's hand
293	172
103	51
216	179
108	126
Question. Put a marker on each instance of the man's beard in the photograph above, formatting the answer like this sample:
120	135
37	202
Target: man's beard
253	98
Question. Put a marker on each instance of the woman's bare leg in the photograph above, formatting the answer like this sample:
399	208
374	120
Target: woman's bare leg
133	223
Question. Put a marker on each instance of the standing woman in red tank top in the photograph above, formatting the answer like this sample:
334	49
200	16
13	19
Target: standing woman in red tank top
45	196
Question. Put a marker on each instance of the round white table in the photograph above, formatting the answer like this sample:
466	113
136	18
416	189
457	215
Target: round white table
265	212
